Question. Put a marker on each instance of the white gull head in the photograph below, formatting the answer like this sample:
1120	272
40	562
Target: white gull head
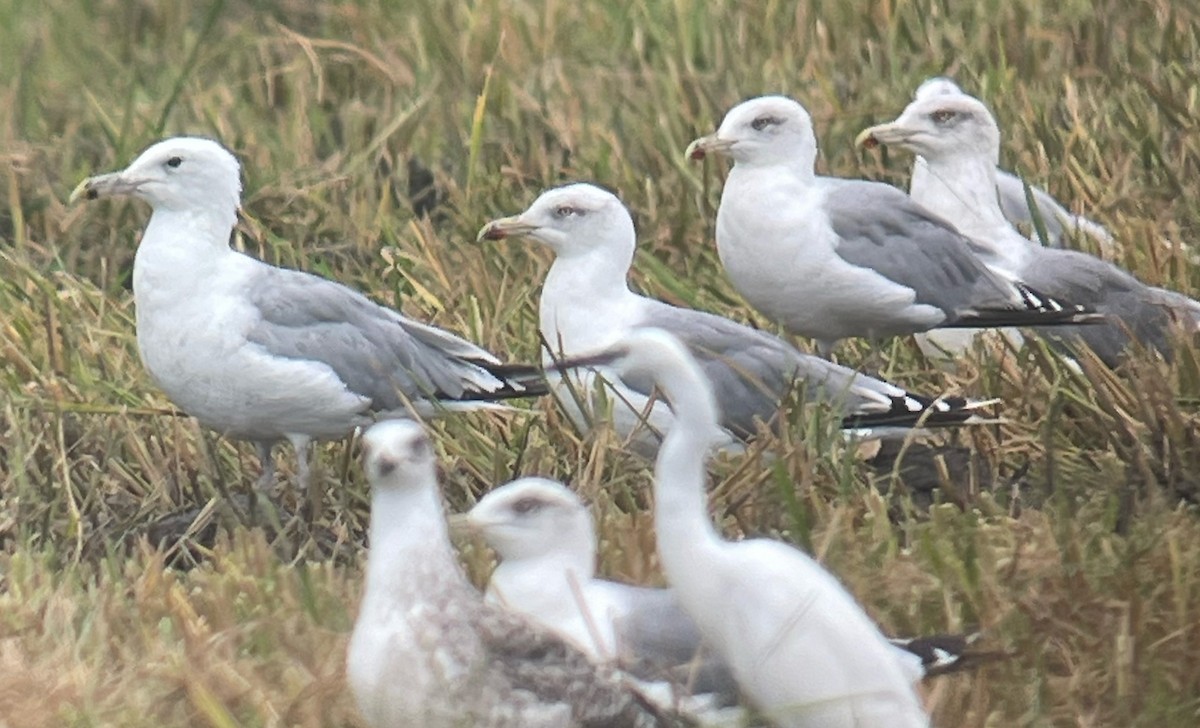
530	518
177	174
764	131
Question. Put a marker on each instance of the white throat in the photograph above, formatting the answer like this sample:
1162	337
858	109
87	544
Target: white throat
962	190
586	301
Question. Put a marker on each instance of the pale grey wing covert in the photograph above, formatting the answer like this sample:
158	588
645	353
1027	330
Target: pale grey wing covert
1130	306
1010	192
881	228
669	645
376	352
751	371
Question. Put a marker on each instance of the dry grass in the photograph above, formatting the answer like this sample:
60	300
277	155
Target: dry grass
1082	556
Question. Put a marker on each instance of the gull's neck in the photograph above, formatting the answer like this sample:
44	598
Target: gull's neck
203	229
542	585
687	540
961	189
585	298
178	253
408	545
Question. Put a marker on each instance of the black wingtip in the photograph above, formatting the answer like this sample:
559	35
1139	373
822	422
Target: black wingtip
519	380
1039	309
996	318
941	654
941	412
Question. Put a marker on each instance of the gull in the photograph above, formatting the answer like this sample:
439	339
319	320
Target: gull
803	652
1019	209
545	540
427	651
832	258
587	306
546	544
262	353
960	142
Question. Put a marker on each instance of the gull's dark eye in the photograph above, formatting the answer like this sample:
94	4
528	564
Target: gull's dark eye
567	211
386	467
526	505
418	449
174	162
941	116
763	122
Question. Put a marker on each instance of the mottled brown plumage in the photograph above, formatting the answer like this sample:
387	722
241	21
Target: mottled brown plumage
427	651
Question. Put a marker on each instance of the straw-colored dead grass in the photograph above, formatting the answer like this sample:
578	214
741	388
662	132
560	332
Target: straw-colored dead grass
1074	543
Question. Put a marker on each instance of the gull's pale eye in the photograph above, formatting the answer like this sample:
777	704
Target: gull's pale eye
174	162
526	506
567	211
941	116
763	122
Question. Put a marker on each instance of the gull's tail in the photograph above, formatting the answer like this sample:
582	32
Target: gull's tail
1038	310
913	410
941	654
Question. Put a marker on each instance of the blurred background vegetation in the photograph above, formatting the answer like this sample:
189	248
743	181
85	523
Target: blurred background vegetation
376	138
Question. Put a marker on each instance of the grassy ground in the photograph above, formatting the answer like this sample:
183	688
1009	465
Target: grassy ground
1075	542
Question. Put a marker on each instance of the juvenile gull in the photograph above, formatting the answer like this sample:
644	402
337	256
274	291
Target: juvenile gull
800	647
1059	223
546	543
831	258
262	353
960	142
587	306
427	651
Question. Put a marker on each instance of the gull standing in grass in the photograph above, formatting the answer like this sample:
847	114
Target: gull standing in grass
960	142
427	651
1019	209
587	306
801	649
262	353
546	543
832	258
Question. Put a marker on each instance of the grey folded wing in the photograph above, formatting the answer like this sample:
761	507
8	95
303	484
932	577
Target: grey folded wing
1057	220
883	229
375	351
1133	309
752	371
659	641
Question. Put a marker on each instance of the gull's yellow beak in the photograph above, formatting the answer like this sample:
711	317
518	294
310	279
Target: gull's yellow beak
505	227
103	185
890	133
702	147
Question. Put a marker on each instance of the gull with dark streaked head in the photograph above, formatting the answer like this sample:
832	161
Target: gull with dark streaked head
958	137
262	353
1018	208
